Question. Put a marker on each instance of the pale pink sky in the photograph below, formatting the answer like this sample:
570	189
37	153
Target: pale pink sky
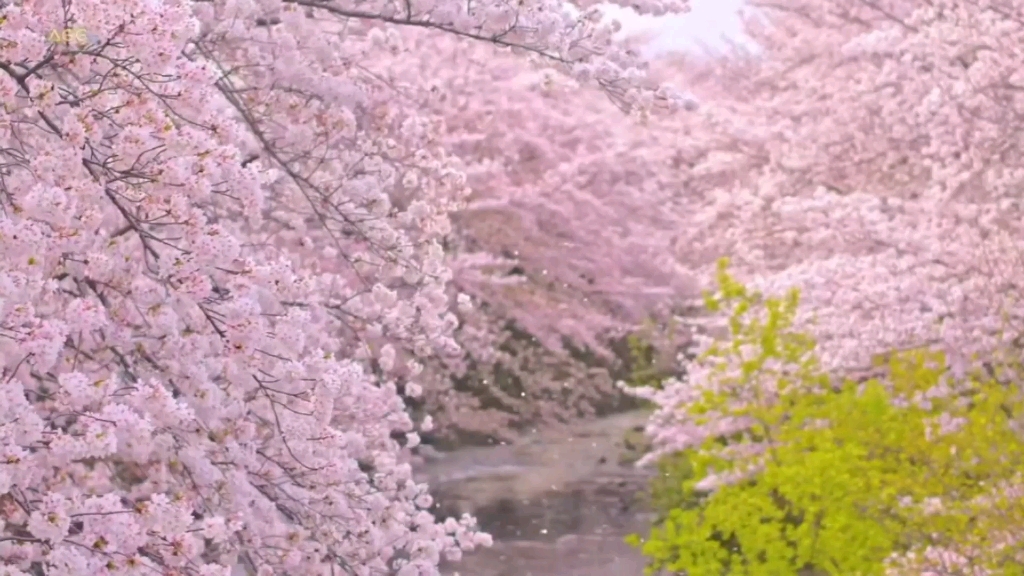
706	23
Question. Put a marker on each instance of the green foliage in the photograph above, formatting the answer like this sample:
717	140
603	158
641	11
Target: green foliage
642	359
643	370
666	490
846	471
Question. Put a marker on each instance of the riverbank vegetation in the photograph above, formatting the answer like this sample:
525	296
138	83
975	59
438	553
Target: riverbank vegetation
789	470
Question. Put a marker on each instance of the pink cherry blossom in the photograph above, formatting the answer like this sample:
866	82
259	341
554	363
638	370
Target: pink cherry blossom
221	269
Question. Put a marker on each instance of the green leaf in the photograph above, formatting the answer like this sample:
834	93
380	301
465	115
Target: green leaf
849	471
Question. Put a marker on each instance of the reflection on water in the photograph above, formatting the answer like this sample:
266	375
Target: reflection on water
557	503
571	555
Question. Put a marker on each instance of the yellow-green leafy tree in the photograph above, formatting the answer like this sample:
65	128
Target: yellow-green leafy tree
891	475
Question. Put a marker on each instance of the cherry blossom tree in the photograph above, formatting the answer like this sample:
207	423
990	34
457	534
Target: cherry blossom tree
563	244
222	273
869	155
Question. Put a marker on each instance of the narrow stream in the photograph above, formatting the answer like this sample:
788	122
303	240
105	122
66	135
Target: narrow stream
557	503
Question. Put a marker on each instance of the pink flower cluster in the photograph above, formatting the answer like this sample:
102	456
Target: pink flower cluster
221	272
